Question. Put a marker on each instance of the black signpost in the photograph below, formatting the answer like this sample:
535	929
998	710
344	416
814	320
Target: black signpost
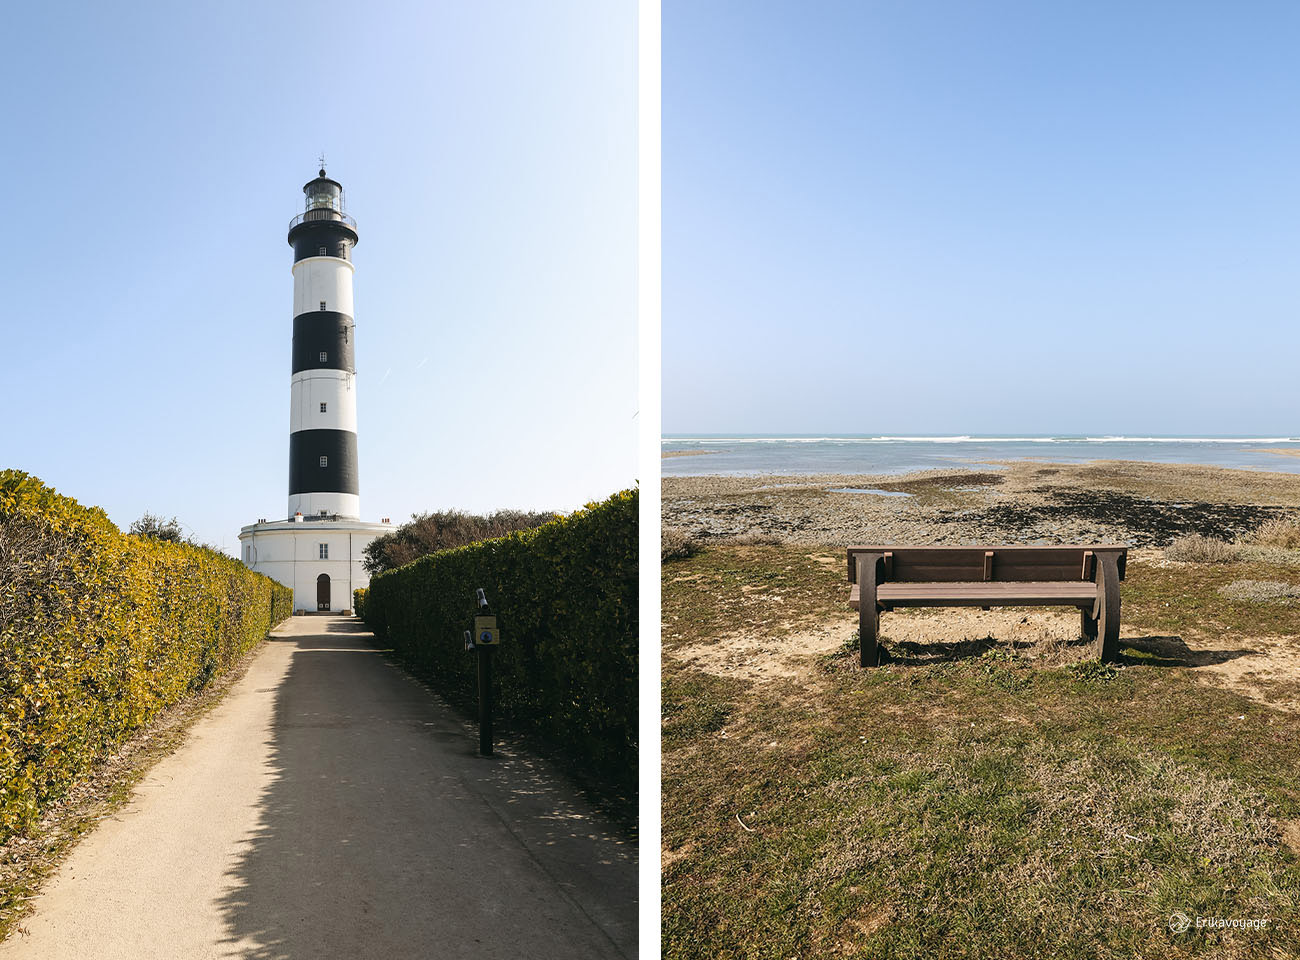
483	639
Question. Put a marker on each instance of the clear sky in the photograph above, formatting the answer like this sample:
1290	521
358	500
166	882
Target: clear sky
153	155
959	218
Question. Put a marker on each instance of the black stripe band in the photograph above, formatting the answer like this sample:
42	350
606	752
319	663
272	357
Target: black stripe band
308	238
339	475
323	333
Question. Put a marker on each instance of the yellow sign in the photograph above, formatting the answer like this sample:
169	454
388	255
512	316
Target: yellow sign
485	632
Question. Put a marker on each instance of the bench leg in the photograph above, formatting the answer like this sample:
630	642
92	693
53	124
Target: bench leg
868	611
1108	609
1088	625
869	634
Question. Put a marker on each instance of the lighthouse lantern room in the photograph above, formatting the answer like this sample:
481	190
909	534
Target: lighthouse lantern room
317	549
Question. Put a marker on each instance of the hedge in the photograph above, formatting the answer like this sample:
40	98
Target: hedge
99	632
565	598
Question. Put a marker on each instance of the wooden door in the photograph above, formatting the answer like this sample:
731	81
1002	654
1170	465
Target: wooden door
323	592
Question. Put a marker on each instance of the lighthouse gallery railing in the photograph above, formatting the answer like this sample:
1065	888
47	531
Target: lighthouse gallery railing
322	213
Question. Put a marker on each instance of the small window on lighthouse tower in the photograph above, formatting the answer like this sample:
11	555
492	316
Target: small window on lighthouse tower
322	407
322	251
322	304
322	356
324	461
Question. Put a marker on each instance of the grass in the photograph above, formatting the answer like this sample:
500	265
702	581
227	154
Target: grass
975	807
1186	600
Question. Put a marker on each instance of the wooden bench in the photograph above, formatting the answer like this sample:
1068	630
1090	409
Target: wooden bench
1087	577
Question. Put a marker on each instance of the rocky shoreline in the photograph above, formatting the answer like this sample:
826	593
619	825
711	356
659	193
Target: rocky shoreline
1142	504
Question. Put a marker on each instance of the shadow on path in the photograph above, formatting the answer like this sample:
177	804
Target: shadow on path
382	834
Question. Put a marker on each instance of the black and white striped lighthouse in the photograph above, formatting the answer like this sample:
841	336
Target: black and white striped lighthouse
323	477
319	549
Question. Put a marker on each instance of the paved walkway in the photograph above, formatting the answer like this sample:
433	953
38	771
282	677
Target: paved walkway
330	807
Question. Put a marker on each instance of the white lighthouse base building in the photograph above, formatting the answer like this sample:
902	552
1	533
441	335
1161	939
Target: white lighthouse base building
319	558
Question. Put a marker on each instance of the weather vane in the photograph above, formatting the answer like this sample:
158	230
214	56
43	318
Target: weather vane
322	161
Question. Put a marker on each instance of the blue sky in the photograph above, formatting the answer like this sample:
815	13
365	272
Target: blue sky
154	155
960	218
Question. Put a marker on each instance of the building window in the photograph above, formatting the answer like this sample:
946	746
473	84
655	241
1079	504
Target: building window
322	356
322	304
324	461
324	551
322	406
322	251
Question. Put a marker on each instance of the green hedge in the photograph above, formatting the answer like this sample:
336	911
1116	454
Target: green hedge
99	632
565	597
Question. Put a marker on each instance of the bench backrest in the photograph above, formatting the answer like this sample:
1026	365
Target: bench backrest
1006	564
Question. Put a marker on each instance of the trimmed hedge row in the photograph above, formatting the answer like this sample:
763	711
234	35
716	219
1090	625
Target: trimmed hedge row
565	597
99	632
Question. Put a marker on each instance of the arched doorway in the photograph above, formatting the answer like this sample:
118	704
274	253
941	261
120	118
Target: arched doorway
323	592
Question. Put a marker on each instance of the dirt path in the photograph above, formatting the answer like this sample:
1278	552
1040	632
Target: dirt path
331	807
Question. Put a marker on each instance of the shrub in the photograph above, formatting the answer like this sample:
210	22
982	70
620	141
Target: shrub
359	602
1260	591
99	632
1195	548
1278	532
677	544
1092	671
427	533
150	525
565	595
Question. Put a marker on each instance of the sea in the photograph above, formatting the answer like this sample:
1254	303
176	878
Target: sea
739	454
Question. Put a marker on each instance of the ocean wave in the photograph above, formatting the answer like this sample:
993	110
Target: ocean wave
707	441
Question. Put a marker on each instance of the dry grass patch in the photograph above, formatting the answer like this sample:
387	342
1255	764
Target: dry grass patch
677	544
1261	591
1195	548
1279	532
1290	831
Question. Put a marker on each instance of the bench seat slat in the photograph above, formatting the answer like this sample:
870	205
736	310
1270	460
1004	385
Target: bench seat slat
991	594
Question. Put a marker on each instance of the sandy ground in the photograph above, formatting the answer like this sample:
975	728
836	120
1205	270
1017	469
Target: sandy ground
1143	504
912	636
331	807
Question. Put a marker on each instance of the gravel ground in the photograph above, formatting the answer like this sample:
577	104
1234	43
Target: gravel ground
1142	504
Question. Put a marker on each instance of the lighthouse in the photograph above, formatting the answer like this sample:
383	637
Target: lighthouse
323	477
318	548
